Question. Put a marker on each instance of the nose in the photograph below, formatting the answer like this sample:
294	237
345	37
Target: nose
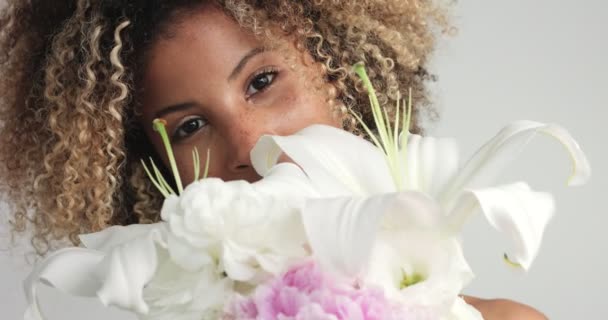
241	137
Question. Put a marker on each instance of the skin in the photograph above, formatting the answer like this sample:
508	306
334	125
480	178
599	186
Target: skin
227	100
218	90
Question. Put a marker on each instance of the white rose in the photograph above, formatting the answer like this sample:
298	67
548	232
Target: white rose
250	233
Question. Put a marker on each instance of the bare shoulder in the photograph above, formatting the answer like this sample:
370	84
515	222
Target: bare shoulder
503	309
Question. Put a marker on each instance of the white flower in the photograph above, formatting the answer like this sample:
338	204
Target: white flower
341	164
394	241
407	241
176	293
129	267
387	215
251	229
184	267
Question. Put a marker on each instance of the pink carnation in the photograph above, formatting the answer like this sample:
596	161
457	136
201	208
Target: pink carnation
305	293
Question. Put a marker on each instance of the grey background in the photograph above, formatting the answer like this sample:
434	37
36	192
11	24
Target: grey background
540	60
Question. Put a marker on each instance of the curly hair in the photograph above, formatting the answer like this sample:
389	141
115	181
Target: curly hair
69	140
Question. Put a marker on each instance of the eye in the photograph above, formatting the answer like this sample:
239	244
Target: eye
188	127
261	81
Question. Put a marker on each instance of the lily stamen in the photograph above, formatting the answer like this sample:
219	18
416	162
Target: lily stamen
387	137
157	178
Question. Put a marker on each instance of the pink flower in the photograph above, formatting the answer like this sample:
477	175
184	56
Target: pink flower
305	293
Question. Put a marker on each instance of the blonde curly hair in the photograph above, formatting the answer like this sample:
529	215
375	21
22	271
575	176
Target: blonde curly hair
69	141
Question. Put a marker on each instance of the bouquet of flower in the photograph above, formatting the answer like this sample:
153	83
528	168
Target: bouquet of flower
338	228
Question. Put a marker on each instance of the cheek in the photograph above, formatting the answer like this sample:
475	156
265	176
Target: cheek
219	156
302	106
184	158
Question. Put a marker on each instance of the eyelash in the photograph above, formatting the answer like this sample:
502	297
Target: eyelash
177	136
271	71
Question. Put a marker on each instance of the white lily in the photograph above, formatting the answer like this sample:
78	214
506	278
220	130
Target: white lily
341	164
357	236
432	168
130	268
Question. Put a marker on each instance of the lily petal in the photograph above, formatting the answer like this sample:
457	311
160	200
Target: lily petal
331	158
110	237
491	158
126	270
342	231
286	179
515	210
71	270
118	259
430	163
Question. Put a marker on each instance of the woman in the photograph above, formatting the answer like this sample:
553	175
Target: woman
84	79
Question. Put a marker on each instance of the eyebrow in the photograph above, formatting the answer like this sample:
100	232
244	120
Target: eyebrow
189	105
239	67
174	108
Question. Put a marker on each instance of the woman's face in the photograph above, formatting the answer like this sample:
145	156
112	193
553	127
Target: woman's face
218	89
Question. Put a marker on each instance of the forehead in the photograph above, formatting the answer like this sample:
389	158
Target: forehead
198	50
207	34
